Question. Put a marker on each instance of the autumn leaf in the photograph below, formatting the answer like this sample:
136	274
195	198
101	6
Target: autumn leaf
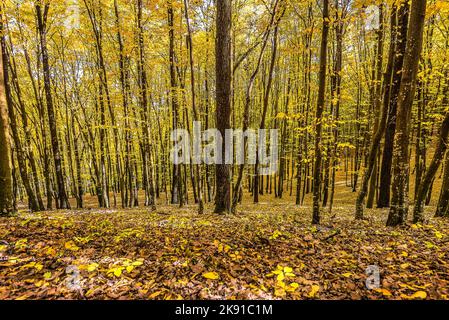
439	235
211	275
384	292
417	295
313	291
70	245
92	267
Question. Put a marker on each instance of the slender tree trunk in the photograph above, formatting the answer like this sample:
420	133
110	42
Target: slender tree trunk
265	107
144	110
425	185
176	189
6	183
42	14
319	114
223	72
441	149
339	30
443	201
20	154
379	127
194	107
401	166
398	43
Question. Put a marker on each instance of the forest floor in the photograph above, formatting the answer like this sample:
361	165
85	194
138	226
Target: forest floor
268	251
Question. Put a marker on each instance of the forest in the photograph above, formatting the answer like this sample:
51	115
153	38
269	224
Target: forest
118	180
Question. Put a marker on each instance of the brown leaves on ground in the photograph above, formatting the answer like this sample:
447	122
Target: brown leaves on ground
269	251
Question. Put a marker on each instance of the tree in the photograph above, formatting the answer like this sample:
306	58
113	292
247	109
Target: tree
246	108
176	190
441	149
223	73
34	200
319	114
424	186
196	115
398	41
380	125
144	109
42	15
6	188
401	167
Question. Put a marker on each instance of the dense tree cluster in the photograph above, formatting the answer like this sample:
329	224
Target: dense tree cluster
91	89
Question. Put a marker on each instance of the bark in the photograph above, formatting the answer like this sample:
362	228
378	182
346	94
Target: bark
401	167
425	185
42	13
379	127
265	105
398	43
6	184
194	107
223	72
339	31
319	114
176	189
443	202
20	153
147	169
246	109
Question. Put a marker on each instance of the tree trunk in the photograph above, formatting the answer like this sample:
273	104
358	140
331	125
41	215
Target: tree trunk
42	13
6	184
223	100
319	114
176	189
424	186
398	44
401	166
379	127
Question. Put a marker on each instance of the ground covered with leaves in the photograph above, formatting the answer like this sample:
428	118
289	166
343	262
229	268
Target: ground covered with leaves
268	251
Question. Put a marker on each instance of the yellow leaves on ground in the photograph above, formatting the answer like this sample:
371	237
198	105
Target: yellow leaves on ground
439	235
50	251
92	267
417	295
276	234
155	294
70	245
314	290
221	247
224	248
117	270
211	275
384	292
429	245
282	273
291	267
21	244
36	265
